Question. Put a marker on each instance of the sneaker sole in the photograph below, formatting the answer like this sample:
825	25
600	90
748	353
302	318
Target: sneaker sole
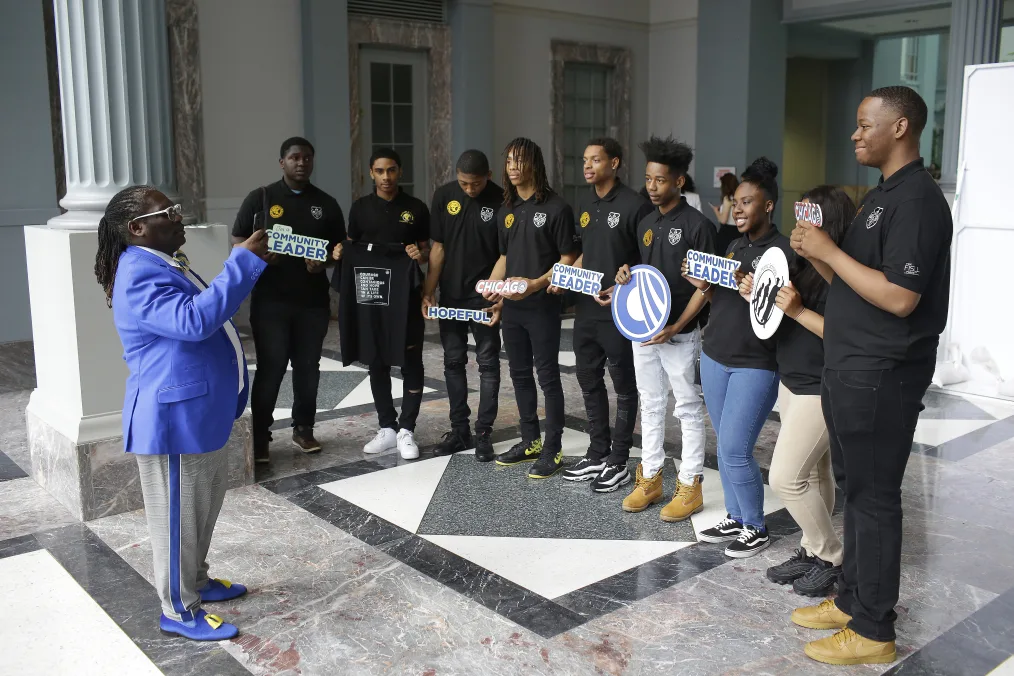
262	461
173	634
819	626
636	511
849	661
815	593
782	581
746	555
543	476
307	450
381	450
479	458
673	519
717	539
519	462
614	487
582	477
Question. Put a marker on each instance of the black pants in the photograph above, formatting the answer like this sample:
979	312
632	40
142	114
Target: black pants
532	338
596	343
285	333
411	374
871	418
454	338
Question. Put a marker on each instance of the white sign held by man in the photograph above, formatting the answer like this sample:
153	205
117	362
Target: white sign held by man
712	268
281	240
576	279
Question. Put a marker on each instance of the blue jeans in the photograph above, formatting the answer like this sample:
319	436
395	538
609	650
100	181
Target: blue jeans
739	401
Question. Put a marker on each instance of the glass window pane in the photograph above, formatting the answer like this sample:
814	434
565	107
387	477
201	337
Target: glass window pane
402	83
568	111
407	158
380	82
583	83
583	113
381	121
403	124
598	110
568	80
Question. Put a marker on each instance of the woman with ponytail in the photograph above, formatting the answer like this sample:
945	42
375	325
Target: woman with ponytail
738	370
186	386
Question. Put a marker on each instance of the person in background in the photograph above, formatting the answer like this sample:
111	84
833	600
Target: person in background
801	465
465	249
690	193
290	306
888	302
727	232
186	386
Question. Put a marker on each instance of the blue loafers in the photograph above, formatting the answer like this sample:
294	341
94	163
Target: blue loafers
220	590
203	627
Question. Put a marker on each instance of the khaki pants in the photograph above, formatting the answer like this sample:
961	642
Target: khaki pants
801	472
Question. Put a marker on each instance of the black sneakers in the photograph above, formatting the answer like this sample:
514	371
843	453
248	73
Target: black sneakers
611	478
819	580
727	529
796	567
548	464
751	541
523	451
261	455
586	469
483	447
453	442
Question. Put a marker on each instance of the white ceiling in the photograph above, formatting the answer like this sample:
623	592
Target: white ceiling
906	22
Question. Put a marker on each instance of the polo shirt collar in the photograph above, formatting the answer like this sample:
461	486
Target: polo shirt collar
766	239
398	196
675	212
898	177
517	201
285	186
610	196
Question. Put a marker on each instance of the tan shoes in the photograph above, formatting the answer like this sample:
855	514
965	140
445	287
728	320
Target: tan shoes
848	647
686	501
646	492
824	615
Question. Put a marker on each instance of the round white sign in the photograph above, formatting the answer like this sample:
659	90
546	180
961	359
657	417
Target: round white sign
772	273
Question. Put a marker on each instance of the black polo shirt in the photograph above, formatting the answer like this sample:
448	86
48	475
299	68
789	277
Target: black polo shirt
534	236
663	241
403	220
466	228
800	352
903	229
310	212
729	338
607	233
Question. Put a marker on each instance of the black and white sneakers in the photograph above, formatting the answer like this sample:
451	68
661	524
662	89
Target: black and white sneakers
586	469
750	542
798	565
611	478
727	529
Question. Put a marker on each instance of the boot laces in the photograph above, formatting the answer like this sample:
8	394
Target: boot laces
844	636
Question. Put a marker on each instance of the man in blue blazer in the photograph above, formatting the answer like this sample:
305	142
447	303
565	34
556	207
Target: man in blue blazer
187	385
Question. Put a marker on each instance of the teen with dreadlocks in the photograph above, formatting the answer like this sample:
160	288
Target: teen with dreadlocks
536	231
186	386
664	236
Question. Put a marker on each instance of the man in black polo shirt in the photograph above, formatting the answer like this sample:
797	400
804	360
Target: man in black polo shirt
890	283
465	249
607	216
390	216
664	236
290	305
536	231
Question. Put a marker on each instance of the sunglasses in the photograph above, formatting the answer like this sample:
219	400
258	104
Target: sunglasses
173	213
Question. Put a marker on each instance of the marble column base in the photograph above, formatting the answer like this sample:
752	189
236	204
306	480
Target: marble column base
98	479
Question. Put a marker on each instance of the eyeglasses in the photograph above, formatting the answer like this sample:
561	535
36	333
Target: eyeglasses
173	213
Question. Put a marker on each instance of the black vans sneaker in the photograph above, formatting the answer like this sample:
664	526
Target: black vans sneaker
586	469
728	529
483	447
454	442
523	451
547	465
819	580
751	541
611	478
796	567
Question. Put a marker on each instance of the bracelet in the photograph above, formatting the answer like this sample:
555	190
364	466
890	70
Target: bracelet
705	291
800	313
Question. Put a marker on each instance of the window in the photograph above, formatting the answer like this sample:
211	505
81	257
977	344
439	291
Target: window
585	116
910	61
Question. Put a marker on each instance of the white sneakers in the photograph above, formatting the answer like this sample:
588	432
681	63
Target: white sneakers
407	446
385	440
388	439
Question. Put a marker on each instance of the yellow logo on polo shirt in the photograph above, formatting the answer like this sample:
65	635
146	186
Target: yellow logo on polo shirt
407	217
276	211
648	236
454	207
731	254
509	221
585	219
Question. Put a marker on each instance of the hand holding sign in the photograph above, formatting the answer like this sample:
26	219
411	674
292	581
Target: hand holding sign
809	212
789	301
257	244
583	281
811	242
281	240
772	273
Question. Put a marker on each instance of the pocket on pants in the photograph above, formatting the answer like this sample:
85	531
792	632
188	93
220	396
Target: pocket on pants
854	401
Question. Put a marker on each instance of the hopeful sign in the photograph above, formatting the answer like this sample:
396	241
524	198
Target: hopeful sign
501	286
281	240
712	268
373	286
641	306
457	314
772	274
576	279
809	212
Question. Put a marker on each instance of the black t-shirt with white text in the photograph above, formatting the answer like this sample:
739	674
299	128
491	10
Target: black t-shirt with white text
467	230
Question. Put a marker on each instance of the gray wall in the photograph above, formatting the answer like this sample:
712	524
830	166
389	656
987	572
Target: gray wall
472	75
27	176
848	82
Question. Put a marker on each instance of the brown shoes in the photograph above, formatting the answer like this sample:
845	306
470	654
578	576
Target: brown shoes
646	492
686	501
304	439
824	615
847	647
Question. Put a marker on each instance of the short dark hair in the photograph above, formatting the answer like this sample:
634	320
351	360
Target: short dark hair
473	163
296	141
385	154
907	103
762	173
688	185
610	145
729	184
670	152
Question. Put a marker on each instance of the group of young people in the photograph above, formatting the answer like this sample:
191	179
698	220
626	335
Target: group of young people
848	367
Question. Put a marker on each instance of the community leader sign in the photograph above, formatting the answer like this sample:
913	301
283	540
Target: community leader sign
712	268
576	279
281	240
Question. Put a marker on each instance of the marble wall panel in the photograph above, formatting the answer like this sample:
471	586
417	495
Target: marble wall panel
188	125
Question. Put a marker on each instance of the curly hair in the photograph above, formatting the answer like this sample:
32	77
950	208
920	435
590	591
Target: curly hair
670	152
528	155
762	173
114	235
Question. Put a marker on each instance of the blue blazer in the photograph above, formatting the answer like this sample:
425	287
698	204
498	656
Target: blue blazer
183	390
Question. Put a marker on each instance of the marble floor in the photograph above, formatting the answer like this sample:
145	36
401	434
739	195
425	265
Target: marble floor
375	565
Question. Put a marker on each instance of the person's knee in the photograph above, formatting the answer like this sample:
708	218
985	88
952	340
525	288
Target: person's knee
588	378
455	363
624	380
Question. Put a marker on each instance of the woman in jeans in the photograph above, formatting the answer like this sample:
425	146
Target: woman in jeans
801	466
738	369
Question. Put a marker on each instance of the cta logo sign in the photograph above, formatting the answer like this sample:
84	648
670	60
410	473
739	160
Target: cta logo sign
641	306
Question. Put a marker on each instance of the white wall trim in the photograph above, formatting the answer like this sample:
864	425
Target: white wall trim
671	25
78	429
571	16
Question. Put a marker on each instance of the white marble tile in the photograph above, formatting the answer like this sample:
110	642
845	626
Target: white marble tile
568	359
575	445
714	502
1005	669
574	563
935	431
52	626
400	494
326	364
362	394
567	323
